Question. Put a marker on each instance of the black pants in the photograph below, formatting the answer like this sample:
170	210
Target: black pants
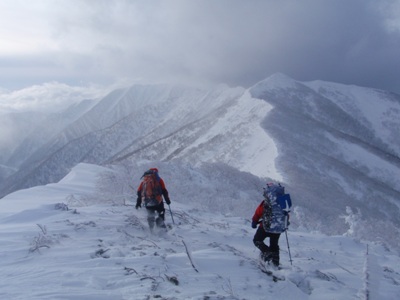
151	215
271	251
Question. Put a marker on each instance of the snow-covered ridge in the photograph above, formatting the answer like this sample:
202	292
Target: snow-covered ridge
317	138
159	122
60	241
223	126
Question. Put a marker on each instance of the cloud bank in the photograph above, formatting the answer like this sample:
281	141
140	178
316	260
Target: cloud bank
227	41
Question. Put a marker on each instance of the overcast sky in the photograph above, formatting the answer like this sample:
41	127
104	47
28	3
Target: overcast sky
79	42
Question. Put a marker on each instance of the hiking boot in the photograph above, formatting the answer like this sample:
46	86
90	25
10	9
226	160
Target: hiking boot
151	223
275	263
266	256
275	259
160	222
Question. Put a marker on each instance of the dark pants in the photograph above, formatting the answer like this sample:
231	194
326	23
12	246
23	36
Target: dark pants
151	215
270	252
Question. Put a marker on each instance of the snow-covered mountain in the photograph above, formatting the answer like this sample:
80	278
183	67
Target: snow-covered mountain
338	146
157	123
69	240
15	127
49	126
334	146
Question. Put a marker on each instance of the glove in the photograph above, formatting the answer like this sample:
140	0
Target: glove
168	201
138	203
254	224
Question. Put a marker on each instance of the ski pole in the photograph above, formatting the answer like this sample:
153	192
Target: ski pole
287	241
172	217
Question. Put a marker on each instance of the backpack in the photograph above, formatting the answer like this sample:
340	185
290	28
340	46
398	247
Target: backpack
151	189
277	206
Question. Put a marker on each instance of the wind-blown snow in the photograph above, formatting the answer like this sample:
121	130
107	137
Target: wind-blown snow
58	244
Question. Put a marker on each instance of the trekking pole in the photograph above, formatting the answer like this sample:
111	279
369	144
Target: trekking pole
287	241
172	217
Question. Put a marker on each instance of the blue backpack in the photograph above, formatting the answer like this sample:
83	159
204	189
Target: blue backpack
277	206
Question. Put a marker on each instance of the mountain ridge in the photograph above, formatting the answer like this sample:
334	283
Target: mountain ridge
312	136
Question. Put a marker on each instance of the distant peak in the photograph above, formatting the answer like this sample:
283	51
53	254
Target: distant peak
279	76
275	81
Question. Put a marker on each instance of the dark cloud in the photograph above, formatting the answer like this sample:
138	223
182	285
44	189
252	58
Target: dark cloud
229	41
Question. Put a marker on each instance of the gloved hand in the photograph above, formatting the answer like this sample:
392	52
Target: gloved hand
138	203
168	201
254	224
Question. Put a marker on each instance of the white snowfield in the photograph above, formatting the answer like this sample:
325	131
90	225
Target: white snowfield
56	244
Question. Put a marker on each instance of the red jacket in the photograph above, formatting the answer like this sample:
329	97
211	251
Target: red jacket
258	213
163	189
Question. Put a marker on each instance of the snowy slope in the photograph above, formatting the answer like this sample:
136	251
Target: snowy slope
158	122
104	250
336	147
332	155
376	109
14	128
223	128
42	132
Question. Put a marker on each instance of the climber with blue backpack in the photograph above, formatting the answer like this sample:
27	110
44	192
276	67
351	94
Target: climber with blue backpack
272	218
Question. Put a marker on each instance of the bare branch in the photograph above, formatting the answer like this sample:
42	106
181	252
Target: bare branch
190	257
42	228
130	271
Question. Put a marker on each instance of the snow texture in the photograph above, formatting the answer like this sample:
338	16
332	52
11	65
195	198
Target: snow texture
65	241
